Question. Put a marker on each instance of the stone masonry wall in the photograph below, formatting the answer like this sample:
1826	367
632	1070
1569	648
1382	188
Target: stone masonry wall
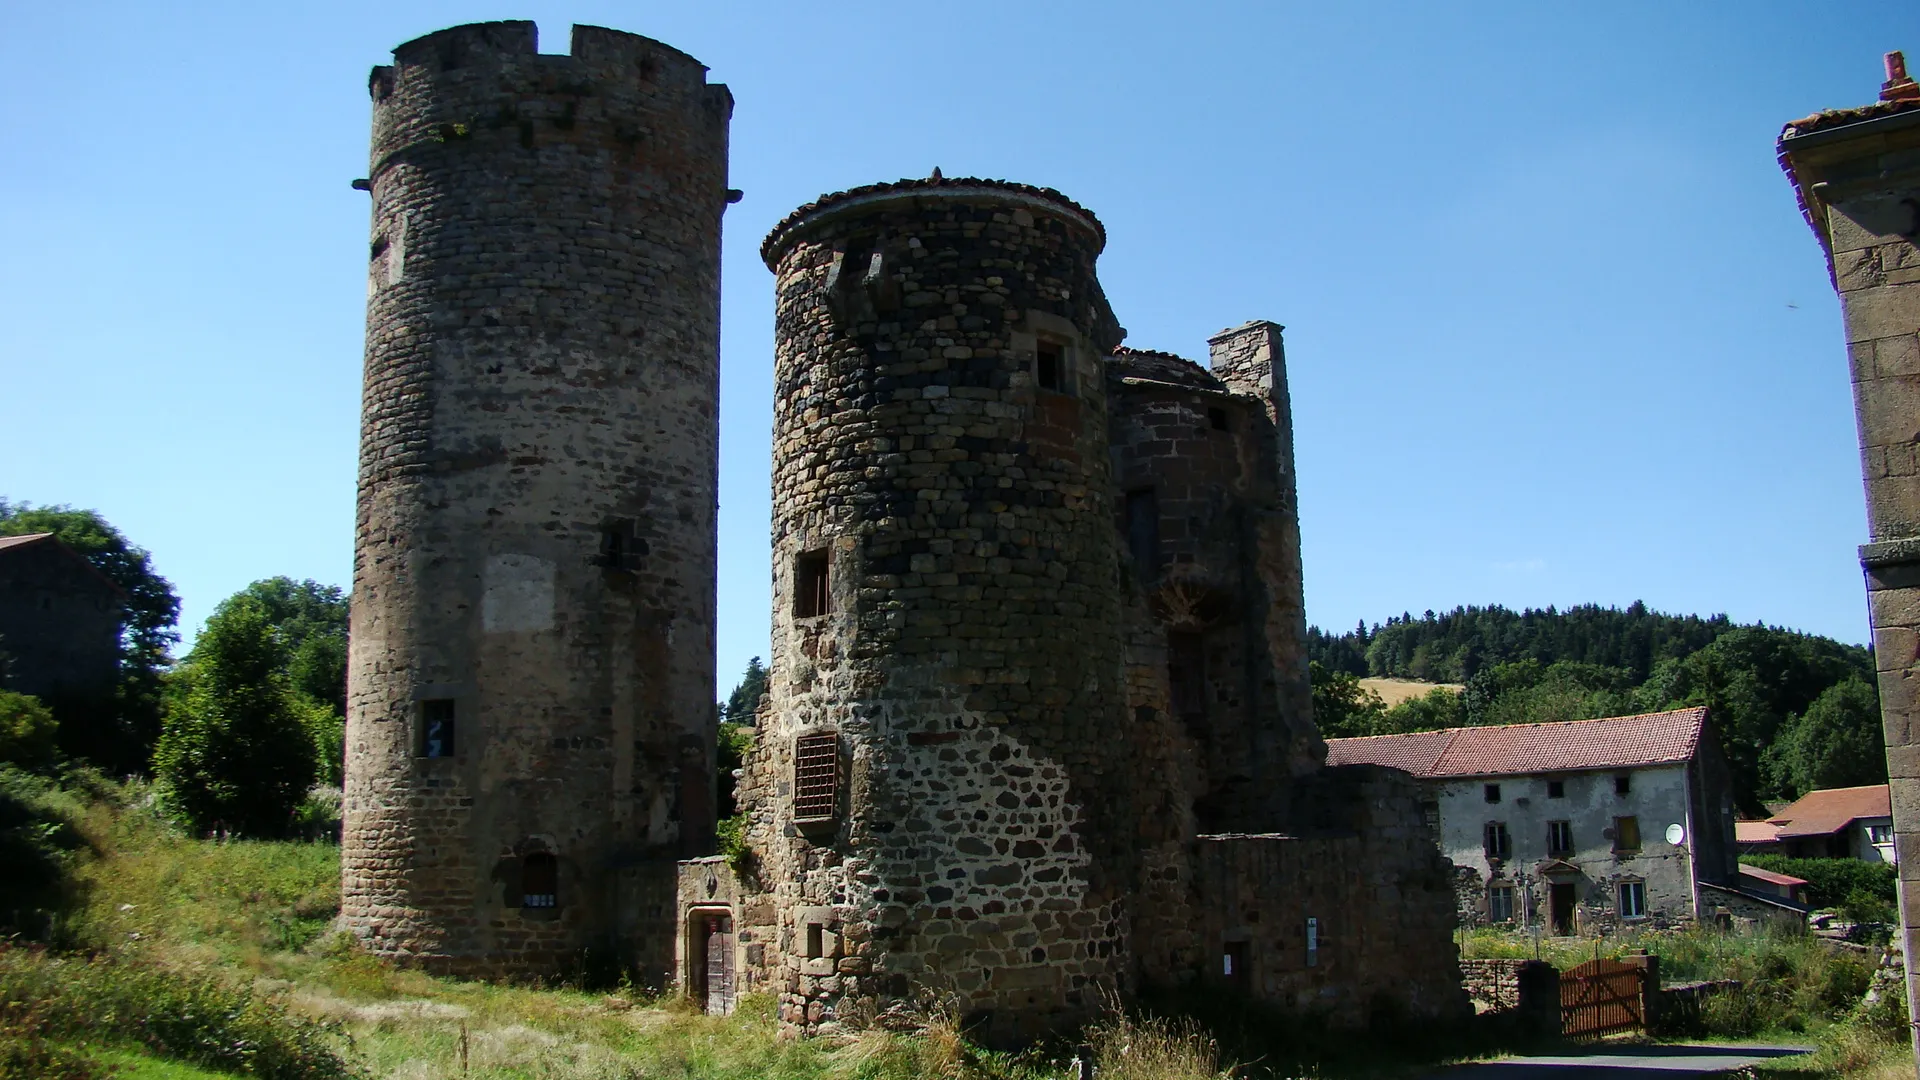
535	533
1351	919
1857	173
969	663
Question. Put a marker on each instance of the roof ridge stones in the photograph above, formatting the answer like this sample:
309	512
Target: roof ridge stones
936	186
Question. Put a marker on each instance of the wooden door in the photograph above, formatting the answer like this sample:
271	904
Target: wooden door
718	931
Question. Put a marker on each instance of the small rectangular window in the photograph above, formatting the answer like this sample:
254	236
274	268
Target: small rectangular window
1633	899
1500	903
1626	834
816	775
540	881
1879	834
1622	784
1050	365
811	594
1556	789
1492	793
816	941
1499	844
1559	837
1233	963
1217	418
436	728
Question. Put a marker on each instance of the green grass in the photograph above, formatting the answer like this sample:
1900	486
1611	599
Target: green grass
227	944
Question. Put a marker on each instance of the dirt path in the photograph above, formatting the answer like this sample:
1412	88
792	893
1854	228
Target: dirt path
1622	1063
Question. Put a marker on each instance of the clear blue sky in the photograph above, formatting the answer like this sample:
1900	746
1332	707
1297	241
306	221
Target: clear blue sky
1557	333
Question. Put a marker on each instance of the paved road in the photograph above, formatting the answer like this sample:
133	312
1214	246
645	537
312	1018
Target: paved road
1622	1063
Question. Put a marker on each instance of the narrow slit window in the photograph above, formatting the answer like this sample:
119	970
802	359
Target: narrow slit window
436	728
1187	676
816	941
1233	964
540	881
811	595
1217	418
1143	531
1050	365
816	775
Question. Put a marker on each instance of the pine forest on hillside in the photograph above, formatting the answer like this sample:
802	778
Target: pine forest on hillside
1793	711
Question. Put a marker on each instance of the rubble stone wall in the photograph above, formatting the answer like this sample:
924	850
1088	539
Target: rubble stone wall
535	532
969	661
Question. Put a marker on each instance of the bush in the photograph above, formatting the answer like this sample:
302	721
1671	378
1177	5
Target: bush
192	1017
29	736
1831	881
38	845
238	751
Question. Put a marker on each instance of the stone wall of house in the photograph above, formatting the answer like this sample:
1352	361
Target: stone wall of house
535	532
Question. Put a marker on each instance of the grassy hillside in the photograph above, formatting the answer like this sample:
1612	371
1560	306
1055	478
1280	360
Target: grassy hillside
174	958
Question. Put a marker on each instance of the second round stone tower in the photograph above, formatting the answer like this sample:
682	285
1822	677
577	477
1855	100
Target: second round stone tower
942	798
530	726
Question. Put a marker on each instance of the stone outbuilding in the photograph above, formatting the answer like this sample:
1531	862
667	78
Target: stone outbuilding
60	624
1038	726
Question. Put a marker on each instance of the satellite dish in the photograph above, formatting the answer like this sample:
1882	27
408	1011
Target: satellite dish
1676	833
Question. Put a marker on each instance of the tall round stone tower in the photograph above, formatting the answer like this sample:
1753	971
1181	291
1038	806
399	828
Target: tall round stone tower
530	726
941	799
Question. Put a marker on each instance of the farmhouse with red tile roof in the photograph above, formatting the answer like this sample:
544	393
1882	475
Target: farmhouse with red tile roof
1577	825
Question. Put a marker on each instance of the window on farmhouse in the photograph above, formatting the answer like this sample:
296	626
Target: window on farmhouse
811	596
1500	903
1626	834
1879	834
1492	793
1556	789
1623	784
1499	844
816	775
1633	899
1559	837
540	881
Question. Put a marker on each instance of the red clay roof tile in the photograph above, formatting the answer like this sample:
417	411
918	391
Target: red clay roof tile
1615	742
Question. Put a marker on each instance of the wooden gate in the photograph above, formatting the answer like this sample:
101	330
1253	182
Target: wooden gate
1601	997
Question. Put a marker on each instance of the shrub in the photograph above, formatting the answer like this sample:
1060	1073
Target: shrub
28	734
38	845
1831	881
192	1017
237	751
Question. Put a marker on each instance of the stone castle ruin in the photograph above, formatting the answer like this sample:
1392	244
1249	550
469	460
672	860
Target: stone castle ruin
1038	727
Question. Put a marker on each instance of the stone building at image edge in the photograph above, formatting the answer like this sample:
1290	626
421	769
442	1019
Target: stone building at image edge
1038	726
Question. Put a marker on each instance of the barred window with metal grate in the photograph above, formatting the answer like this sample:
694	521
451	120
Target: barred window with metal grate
816	775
